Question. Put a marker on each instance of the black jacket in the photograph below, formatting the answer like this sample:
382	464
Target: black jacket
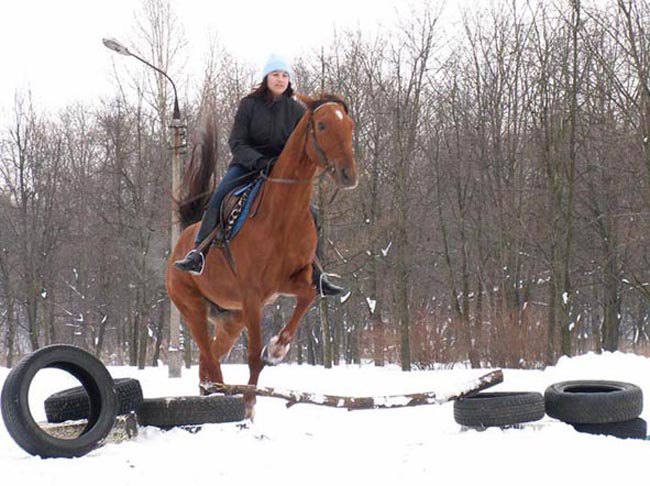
261	131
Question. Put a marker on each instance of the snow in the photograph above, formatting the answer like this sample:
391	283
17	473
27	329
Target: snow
371	304
317	445
384	251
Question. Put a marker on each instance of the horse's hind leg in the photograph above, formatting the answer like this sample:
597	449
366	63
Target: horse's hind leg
228	328
252	316
194	312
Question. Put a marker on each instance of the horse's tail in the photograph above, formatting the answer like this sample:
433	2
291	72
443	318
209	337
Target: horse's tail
196	188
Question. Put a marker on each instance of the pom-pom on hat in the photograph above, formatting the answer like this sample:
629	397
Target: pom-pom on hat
276	63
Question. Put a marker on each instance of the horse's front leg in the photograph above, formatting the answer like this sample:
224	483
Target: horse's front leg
252	312
305	293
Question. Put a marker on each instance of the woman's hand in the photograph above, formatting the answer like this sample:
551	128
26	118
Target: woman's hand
265	163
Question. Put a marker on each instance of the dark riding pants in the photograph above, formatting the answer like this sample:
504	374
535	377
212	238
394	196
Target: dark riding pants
236	175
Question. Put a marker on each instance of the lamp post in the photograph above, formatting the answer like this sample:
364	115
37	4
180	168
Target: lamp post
178	143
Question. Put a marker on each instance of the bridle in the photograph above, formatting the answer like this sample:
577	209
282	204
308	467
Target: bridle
322	156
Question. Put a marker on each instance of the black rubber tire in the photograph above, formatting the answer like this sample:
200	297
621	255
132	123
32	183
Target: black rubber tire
499	409
73	404
593	401
167	413
630	429
94	377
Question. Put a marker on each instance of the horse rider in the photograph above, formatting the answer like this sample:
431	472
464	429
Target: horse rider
263	123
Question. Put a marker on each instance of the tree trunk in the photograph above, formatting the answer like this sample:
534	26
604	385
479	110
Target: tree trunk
160	327
402	298
187	345
142	347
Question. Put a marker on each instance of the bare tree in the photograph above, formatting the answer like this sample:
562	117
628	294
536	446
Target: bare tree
32	176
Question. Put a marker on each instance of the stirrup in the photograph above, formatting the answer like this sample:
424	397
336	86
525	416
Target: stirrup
327	288
190	259
202	266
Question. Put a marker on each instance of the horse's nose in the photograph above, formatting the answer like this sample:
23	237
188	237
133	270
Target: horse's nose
345	176
348	179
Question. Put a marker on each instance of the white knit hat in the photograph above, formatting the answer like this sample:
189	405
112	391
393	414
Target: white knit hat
276	63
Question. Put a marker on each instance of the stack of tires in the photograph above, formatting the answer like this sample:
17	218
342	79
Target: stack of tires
595	407
598	407
97	403
164	413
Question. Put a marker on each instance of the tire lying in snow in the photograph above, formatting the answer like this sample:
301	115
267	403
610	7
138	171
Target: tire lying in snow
73	404
95	379
593	401
171	412
498	409
630	429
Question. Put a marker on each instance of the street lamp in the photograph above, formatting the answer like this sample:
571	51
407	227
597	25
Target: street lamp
120	48
178	143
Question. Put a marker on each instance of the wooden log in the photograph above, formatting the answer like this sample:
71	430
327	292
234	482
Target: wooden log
125	428
364	403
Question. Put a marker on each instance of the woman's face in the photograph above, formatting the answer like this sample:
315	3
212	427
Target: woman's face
277	81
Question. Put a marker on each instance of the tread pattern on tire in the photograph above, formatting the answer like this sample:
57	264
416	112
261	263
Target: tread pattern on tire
593	401
73	404
178	411
498	409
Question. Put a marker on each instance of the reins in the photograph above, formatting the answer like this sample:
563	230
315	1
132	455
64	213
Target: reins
329	167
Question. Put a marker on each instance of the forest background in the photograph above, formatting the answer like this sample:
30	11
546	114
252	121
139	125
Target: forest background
502	216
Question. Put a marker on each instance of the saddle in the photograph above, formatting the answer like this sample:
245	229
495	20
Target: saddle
235	208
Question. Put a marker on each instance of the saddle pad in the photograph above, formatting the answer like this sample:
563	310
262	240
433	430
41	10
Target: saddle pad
247	206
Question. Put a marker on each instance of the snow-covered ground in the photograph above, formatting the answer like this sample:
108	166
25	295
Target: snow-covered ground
312	445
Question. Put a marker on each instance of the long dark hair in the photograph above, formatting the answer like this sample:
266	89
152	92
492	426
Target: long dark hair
262	91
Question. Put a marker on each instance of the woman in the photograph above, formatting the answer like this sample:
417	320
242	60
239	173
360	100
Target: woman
263	123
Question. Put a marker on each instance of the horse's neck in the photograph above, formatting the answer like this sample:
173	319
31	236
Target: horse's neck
286	199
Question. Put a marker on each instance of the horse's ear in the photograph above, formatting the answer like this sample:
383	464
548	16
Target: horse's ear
305	100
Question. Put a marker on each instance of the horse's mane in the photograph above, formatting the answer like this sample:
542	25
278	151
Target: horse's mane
324	98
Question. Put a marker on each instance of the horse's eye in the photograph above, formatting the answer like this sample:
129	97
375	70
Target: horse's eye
321	126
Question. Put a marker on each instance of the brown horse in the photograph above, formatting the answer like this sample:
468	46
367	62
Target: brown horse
274	250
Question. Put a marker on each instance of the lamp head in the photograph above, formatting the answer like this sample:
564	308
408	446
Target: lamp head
114	45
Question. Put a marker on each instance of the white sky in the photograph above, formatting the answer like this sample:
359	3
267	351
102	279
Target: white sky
54	49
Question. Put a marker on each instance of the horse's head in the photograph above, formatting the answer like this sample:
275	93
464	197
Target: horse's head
330	138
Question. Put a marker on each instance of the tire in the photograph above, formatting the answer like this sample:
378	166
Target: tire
593	401
630	429
95	379
167	413
498	409
73	404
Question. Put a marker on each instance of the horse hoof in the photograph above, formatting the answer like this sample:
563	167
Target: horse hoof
208	388
249	409
266	359
250	414
273	353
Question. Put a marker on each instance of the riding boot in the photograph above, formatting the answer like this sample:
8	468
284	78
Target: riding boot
194	261
323	285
